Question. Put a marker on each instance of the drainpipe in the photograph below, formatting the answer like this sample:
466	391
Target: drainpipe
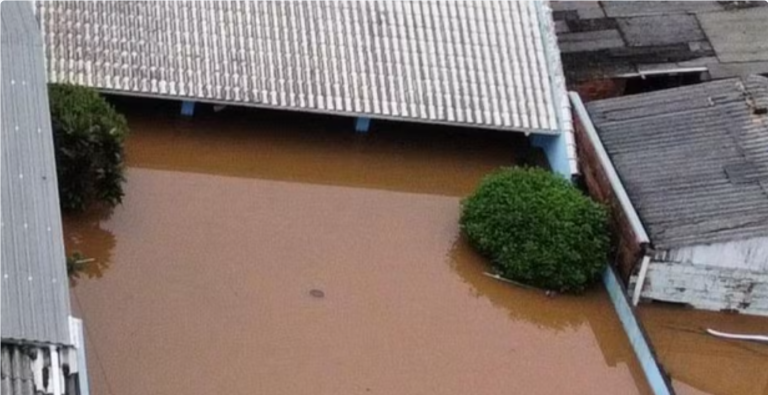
640	279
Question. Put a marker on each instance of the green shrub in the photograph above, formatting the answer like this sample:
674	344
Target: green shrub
538	229
88	136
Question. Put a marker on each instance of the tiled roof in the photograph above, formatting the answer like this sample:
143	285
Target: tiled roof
601	39
35	288
694	160
491	64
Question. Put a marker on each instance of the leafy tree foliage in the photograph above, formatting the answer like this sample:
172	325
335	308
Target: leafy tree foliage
88	136
538	229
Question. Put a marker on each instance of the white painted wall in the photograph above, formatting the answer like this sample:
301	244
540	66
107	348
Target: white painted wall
750	254
708	287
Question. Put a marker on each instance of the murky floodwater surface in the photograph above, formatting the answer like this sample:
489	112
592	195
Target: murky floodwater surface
255	253
701	364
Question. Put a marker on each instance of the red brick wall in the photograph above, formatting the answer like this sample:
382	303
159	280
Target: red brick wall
600	89
627	251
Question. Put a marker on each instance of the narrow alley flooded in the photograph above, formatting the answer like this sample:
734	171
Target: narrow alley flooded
701	364
258	252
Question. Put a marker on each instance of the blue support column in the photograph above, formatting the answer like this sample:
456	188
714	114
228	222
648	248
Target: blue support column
362	125
187	108
555	149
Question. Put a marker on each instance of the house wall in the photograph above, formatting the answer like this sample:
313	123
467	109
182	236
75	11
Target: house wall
728	286
558	151
628	249
600	89
750	254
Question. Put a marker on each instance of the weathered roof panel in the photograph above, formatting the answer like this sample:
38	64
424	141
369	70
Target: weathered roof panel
35	288
483	64
609	39
694	160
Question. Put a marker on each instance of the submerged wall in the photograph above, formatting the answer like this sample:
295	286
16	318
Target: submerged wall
720	276
708	287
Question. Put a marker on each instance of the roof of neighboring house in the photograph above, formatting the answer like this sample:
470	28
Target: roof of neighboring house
18	371
694	160
35	287
488	64
615	38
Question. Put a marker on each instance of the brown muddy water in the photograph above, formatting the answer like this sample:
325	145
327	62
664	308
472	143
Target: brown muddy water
275	253
704	365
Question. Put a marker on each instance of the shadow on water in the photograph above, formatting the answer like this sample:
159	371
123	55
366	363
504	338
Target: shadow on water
317	149
84	233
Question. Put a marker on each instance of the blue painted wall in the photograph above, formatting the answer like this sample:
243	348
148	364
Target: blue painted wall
556	150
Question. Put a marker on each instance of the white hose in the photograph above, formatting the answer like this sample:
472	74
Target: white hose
754	338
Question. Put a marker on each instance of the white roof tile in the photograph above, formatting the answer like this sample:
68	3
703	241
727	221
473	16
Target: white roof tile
490	64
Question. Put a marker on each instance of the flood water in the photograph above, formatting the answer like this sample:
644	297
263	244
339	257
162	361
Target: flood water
701	364
274	253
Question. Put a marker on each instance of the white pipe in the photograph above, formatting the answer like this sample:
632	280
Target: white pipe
756	338
640	280
679	70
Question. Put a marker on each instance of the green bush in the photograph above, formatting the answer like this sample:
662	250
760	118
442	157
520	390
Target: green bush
537	229
88	136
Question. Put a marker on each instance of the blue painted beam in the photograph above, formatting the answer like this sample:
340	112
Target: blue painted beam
187	108
659	385
362	124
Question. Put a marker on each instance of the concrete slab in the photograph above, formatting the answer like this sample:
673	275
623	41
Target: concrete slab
660	29
590	41
738	36
728	70
638	8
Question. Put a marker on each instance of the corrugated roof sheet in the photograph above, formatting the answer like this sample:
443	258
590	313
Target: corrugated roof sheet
694	160
35	288
18	370
491	64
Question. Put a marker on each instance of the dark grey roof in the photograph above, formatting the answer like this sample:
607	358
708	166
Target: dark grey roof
35	288
694	160
491	64
614	38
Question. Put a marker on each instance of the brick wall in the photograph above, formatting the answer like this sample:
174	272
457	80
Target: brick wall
600	89
627	251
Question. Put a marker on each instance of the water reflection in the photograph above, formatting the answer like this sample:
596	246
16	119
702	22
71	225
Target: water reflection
84	233
560	313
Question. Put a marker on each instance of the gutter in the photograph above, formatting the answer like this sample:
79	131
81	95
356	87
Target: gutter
618	190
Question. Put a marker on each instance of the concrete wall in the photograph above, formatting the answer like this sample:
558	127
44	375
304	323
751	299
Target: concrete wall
708	287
